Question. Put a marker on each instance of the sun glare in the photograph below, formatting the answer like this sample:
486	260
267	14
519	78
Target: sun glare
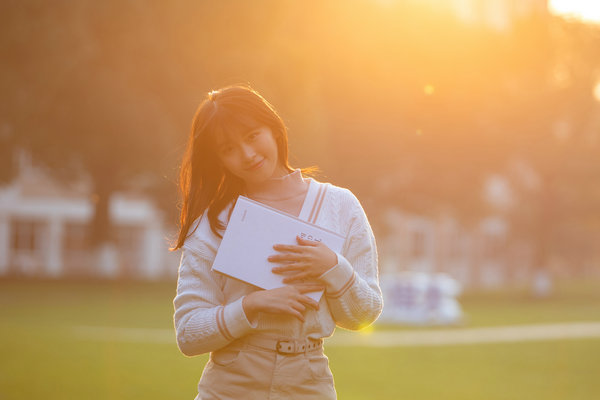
597	91
586	10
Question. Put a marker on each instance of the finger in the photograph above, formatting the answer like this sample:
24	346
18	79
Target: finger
288	247
296	314
310	302
306	242
282	269
308	287
285	257
299	305
296	277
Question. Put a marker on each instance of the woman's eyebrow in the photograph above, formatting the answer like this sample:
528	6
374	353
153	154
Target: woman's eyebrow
223	141
222	144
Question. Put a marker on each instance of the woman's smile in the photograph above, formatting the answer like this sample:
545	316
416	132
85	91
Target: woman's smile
256	166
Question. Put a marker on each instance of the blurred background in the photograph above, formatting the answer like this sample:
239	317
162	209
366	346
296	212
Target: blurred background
469	130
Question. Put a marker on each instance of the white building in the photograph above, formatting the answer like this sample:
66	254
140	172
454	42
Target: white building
482	256
43	229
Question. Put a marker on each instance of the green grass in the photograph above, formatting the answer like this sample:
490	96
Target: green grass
40	357
542	370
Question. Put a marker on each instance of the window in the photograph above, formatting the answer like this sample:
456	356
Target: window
493	246
26	255
75	236
129	241
24	235
76	256
418	245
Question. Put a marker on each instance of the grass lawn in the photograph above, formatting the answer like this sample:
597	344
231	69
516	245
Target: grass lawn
40	357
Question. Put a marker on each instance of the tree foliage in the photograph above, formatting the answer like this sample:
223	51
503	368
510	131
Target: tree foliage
405	104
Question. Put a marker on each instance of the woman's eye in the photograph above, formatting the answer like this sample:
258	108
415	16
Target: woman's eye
253	135
226	150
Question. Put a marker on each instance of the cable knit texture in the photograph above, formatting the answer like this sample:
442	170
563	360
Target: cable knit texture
208	305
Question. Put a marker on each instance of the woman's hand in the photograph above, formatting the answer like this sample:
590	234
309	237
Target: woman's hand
307	261
288	300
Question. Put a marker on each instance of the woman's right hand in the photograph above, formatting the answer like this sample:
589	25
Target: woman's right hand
287	300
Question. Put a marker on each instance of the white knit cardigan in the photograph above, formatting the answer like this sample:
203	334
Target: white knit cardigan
208	305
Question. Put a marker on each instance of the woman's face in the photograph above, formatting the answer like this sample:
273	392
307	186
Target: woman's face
250	155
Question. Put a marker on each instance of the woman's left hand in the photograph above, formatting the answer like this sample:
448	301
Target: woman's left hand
306	261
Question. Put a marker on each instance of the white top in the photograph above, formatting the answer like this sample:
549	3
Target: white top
208	305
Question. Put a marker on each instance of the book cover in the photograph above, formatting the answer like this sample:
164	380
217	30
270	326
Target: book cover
248	241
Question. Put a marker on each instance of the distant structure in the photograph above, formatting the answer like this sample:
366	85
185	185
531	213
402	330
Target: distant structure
43	230
480	256
420	299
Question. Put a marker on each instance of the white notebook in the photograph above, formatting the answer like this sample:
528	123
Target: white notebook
248	241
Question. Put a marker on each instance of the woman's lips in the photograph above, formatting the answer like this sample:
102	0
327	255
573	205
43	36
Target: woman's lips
256	166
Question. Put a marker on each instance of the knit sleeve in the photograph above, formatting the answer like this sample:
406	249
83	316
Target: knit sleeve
203	322
352	286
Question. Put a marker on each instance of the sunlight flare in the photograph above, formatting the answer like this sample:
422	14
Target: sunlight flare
597	91
585	10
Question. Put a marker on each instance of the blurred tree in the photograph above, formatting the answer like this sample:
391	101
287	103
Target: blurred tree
81	97
107	90
559	139
399	101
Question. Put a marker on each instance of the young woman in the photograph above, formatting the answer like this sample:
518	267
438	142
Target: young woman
265	344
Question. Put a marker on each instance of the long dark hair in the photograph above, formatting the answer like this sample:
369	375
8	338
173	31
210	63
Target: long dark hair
204	184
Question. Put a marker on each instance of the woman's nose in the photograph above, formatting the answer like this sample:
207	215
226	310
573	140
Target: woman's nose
248	152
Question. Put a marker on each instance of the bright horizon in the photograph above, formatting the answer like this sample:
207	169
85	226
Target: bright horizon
585	10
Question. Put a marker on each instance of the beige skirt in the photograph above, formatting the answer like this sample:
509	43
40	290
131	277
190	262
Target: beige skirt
243	370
